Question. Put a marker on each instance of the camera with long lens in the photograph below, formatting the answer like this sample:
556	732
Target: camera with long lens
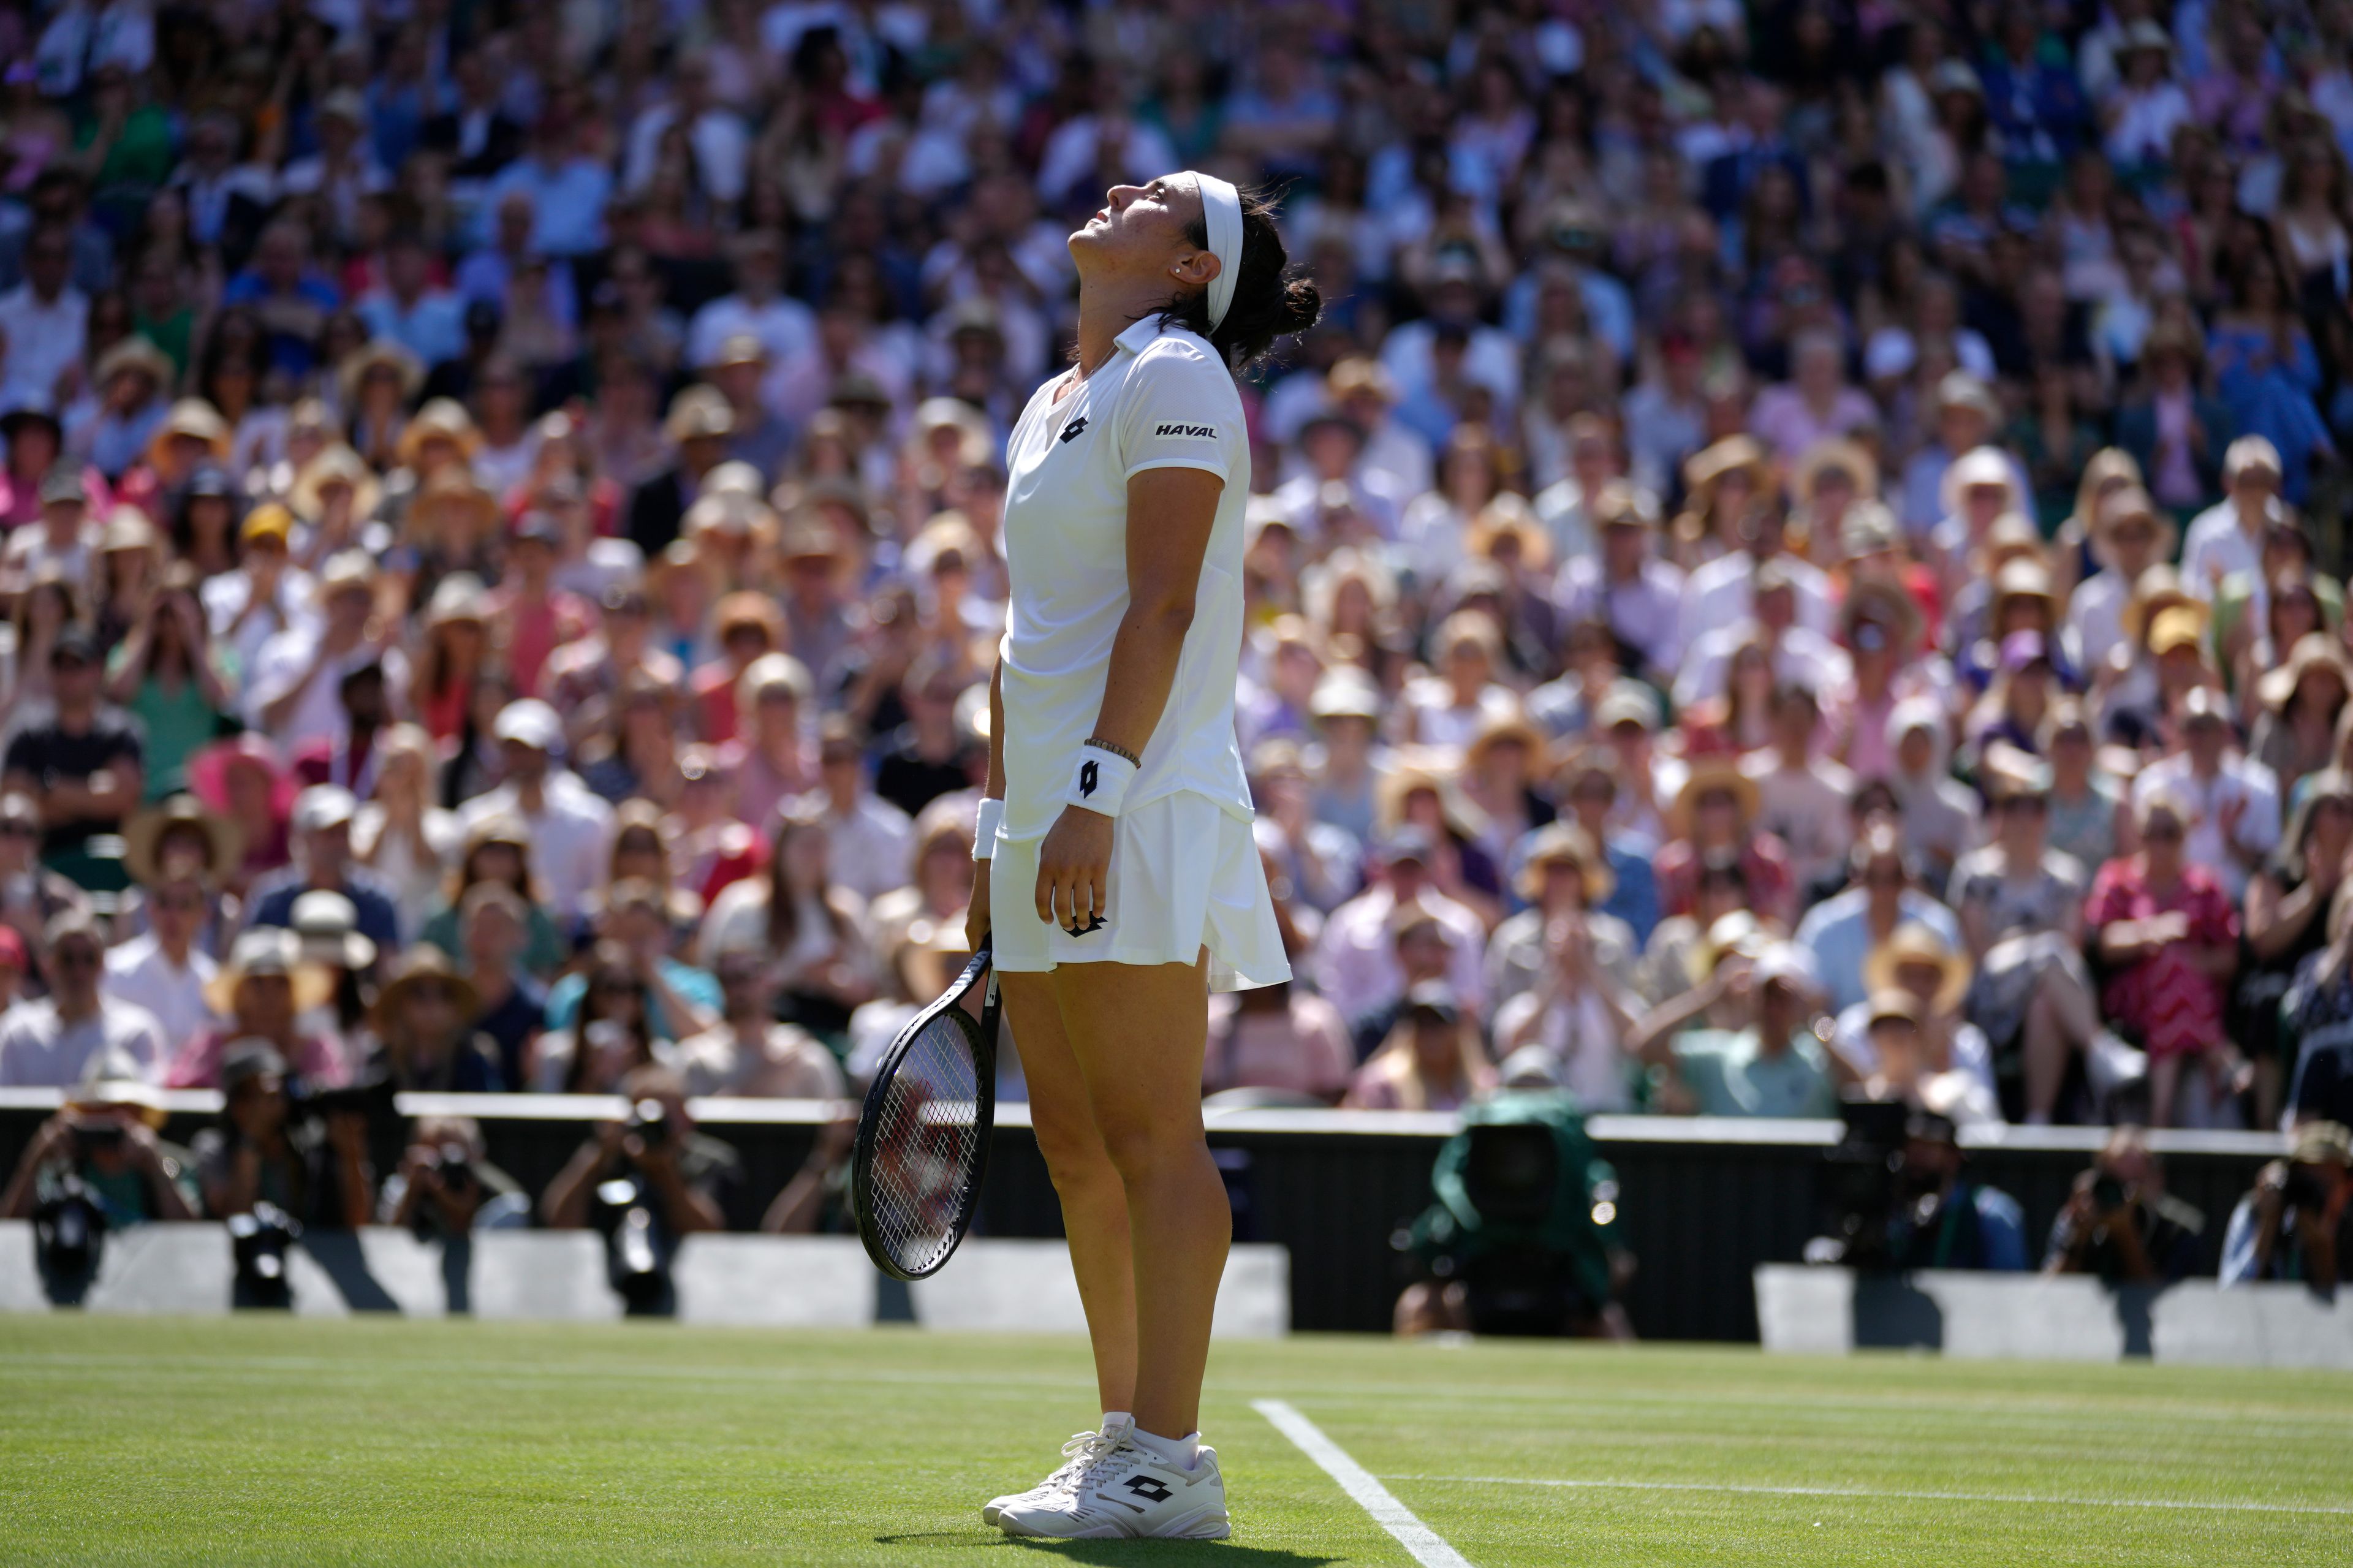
258	1242
1859	1187
637	1246
68	1237
371	1098
453	1164
650	1121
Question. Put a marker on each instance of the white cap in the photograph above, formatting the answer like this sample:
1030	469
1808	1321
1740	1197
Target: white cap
323	806
1790	964
530	722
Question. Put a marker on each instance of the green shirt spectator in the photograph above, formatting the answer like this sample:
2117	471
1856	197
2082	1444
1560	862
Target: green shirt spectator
1730	1073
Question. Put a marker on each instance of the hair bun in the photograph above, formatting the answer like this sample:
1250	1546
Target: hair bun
1302	303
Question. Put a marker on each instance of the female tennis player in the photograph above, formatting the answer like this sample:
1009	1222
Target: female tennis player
1118	872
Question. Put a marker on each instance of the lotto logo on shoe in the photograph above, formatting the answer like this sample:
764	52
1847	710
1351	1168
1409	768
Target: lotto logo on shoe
1150	1489
1206	431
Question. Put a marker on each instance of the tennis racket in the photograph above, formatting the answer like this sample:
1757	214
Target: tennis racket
922	1139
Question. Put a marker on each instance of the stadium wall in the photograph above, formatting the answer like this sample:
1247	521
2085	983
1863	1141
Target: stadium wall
1703	1201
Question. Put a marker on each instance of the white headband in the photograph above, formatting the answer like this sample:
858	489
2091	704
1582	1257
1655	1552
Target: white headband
1221	217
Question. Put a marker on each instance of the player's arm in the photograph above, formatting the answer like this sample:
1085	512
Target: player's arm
975	909
1170	511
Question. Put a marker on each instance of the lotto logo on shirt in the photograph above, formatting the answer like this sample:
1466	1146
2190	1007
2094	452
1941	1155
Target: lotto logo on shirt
1208	431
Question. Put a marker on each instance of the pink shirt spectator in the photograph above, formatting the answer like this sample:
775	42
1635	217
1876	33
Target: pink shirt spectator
317	1060
1303	1048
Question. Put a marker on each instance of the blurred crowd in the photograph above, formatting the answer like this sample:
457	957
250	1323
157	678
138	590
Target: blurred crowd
1798	566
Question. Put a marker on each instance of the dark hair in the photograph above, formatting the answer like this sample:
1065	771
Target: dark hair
1266	304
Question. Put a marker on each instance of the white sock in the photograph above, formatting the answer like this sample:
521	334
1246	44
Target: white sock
1114	1419
1179	1451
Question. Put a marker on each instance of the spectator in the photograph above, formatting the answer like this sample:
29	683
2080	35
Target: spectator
2169	939
1577	1013
83	768
425	1039
1771	1065
812	929
1431	1060
1882	895
494	924
51	1040
2022	912
163	971
293	691
1561	874
498	849
1904	1069
1716	812
2314	1042
2286	921
870	837
748	1052
322	830
1590	787
2121	1224
399	834
263	993
1360	962
606	1034
644	925
437	317
326	930
935	882
566	828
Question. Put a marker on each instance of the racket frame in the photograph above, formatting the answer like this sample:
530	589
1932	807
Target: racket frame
981	1035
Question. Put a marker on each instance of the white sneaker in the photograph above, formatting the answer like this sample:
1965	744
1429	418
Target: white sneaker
1082	1450
1129	1491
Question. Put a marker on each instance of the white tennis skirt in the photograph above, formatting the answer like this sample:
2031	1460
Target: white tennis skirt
1184	874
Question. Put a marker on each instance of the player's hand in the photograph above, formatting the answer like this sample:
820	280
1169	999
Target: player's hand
975	913
1074	889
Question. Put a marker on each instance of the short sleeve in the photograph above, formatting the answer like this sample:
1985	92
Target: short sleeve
1179	410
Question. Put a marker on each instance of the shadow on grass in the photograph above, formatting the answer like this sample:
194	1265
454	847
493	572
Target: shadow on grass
1114	1553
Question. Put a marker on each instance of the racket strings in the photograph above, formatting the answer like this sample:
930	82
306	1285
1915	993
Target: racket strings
927	1145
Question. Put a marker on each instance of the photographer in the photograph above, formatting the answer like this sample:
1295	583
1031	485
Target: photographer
1943	1220
689	1174
312	1167
446	1187
2298	1222
2121	1224
104	1140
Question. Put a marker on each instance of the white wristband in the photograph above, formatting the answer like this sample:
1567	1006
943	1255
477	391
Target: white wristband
984	828
1099	781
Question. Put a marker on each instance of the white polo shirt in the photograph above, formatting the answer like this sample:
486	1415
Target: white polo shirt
1162	400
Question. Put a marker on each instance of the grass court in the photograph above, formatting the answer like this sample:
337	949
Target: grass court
273	1440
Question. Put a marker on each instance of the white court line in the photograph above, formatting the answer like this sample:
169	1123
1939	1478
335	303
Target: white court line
1423	1543
1868	1493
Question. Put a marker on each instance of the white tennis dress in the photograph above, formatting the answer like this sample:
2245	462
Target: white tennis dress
1185	872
